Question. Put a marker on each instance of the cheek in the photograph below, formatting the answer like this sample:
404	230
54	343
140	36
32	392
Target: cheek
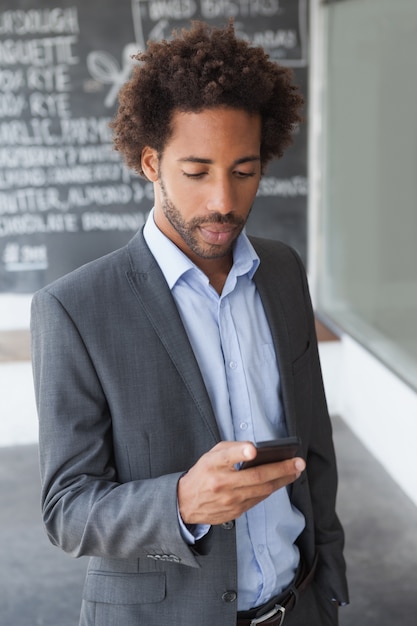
245	196
188	198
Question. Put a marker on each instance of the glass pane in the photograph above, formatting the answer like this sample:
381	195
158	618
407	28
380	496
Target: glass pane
368	273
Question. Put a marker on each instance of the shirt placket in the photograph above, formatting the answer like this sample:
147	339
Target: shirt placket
235	374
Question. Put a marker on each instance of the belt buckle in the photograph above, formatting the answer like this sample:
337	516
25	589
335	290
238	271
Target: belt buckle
277	609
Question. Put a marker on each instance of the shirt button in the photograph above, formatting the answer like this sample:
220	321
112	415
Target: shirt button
229	596
228	525
243	425
232	365
261	548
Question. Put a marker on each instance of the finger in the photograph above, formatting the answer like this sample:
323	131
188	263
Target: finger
227	454
283	471
289	467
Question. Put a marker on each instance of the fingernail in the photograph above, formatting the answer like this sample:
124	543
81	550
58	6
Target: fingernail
247	452
300	465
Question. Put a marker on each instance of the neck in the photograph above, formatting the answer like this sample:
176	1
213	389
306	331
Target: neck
216	270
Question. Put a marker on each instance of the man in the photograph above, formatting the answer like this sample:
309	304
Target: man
158	366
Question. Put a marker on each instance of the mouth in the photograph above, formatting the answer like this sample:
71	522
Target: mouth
218	234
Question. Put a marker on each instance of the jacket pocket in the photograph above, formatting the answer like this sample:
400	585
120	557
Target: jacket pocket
302	360
114	588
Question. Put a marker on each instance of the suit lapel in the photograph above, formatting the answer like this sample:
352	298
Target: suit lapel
271	299
154	295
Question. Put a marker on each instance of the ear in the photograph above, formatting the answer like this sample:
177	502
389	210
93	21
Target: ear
150	163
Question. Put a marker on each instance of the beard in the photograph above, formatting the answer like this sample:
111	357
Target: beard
188	231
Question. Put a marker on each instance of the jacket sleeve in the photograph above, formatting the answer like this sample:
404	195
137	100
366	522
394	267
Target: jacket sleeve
86	510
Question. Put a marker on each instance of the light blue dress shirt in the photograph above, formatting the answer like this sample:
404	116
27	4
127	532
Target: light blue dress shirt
232	342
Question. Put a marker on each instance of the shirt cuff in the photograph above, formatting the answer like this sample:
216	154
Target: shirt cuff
192	532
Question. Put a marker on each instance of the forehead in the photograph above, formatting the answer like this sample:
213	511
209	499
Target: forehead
212	131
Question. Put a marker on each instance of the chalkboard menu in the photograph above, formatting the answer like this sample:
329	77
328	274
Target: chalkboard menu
65	195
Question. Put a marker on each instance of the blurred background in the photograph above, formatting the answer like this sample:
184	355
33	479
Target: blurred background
344	195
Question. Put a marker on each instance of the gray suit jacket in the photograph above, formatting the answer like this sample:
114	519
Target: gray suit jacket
124	412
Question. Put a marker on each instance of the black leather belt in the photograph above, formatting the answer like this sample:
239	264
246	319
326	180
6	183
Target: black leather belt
273	612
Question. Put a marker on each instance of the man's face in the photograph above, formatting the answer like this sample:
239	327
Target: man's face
206	180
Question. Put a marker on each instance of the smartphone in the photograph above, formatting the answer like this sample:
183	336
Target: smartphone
274	450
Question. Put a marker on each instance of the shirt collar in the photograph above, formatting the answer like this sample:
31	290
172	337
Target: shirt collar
174	263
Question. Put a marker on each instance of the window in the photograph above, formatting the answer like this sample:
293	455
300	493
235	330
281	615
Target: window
368	260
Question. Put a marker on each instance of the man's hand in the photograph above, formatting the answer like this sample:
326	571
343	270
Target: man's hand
213	491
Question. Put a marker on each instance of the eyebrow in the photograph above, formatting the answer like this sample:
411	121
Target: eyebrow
194	159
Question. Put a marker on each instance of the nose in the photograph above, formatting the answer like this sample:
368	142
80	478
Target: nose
222	198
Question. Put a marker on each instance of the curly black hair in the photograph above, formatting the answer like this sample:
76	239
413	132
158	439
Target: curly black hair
200	68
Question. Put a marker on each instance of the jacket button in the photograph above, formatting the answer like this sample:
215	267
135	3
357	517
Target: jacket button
229	596
174	558
228	525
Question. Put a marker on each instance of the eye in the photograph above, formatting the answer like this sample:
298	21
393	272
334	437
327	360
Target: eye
240	174
193	175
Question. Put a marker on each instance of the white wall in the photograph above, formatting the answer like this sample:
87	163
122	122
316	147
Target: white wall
14	311
18	419
379	408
